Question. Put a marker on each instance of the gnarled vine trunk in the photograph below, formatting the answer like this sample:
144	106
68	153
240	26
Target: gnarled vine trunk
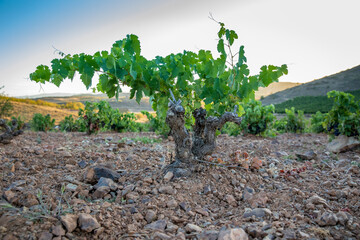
10	131
203	140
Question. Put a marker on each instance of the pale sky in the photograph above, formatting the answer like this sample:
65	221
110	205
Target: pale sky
314	38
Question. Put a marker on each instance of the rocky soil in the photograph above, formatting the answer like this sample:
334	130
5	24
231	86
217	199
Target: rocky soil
107	186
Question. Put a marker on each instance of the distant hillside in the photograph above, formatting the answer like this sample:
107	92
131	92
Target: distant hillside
348	80
274	88
124	104
27	110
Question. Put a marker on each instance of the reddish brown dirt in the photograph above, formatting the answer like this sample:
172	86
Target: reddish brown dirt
36	165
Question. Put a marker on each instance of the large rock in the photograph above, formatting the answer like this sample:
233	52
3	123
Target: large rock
233	234
208	235
258	213
69	221
342	143
316	200
106	182
309	155
46	236
192	228
58	230
87	223
328	219
92	175
159	225
150	216
101	192
106	173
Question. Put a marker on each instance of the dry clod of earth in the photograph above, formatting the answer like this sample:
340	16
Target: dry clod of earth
74	186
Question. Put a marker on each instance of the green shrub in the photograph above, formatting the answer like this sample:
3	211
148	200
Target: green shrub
89	118
292	122
257	118
280	125
231	129
69	124
317	122
42	123
101	116
20	123
5	105
295	122
156	124
343	118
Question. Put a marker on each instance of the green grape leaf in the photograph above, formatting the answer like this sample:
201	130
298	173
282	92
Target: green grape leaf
242	59
220	47
222	30
42	74
139	95
110	62
133	73
56	79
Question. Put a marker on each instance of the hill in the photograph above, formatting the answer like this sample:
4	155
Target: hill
27	110
274	88
348	80
124	104
60	106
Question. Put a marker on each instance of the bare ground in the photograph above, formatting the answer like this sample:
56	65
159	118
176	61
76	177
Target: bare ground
48	175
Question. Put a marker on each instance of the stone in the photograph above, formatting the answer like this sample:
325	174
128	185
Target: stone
172	203
132	196
10	236
255	232
46	236
202	211
150	216
309	155
106	173
9	196
69	221
159	225
258	213
127	189
233	234
231	200
258	200
148	180
100	192
171	228
342	217
161	236
248	193
71	187
168	176
190	228
327	219
183	206
89	176
207	190
316	200
106	182
303	235
289	234
28	200
87	223
166	190
342	144
208	235
98	231
82	164
58	230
